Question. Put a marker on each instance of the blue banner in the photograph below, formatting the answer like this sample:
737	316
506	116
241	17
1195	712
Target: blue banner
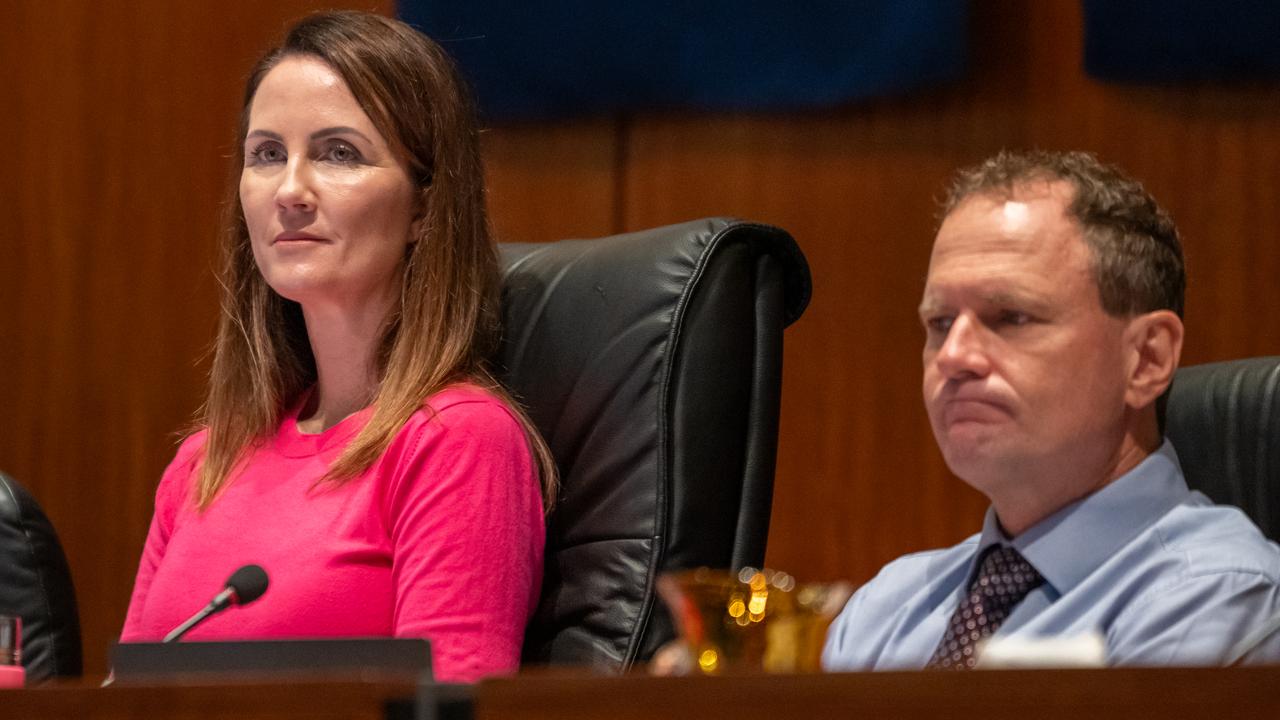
530	60
1178	41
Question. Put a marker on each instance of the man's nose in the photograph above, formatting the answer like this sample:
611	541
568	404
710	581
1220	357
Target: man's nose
964	352
295	192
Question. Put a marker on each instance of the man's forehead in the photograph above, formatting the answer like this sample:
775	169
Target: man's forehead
1014	244
1029	219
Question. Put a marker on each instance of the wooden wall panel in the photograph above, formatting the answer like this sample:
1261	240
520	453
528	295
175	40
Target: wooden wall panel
119	120
550	183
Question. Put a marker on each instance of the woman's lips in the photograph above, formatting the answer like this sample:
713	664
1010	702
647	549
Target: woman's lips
298	238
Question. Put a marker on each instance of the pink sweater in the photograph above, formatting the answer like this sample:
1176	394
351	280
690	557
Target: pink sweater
441	538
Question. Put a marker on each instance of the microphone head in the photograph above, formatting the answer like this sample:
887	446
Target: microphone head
248	583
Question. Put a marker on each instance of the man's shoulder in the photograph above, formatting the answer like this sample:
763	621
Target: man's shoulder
927	563
1206	539
899	597
1198	583
902	581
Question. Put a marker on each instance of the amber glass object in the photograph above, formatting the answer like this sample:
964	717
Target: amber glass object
751	620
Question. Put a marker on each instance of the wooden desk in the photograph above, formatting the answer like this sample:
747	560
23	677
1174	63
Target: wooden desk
1165	694
316	699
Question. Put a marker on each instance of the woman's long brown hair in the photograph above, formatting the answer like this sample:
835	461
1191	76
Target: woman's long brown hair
447	321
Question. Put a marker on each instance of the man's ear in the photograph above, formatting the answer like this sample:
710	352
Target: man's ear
1153	343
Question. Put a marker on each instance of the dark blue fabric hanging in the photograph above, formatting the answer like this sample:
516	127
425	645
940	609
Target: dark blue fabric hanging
1175	41
531	60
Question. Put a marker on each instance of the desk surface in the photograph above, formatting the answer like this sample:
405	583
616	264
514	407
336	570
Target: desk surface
1167	694
1235	693
313	699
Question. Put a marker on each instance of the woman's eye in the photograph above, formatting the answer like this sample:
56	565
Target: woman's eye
267	153
343	153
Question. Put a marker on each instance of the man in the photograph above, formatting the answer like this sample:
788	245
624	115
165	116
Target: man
1052	315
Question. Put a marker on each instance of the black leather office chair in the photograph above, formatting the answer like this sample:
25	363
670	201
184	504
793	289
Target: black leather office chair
1224	421
35	583
652	363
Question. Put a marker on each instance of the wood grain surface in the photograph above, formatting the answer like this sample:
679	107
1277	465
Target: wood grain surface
1205	693
194	698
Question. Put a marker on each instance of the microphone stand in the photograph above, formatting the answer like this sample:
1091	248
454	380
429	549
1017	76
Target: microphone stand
218	604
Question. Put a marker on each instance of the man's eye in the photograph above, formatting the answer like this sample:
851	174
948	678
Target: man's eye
940	324
267	152
1014	317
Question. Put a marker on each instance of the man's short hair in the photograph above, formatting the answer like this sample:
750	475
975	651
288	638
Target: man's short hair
1137	256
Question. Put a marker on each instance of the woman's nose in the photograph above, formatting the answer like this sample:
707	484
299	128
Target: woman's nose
295	192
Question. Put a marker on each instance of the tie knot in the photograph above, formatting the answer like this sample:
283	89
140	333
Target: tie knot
1004	578
1005	572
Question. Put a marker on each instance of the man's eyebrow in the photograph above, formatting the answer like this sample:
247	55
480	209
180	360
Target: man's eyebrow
321	133
997	298
1019	299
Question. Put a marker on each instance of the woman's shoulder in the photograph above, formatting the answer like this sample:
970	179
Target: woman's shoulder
464	406
176	482
462	418
464	393
463	436
192	443
188	455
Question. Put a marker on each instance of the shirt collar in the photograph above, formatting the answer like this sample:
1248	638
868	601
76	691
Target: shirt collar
1071	543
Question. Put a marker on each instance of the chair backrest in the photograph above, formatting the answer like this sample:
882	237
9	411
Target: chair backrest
1224	420
652	364
35	583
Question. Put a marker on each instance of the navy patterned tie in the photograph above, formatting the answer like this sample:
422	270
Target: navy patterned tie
1004	578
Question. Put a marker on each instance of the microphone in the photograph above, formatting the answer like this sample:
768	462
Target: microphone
243	587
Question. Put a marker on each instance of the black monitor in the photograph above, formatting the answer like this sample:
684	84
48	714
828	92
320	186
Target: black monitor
275	659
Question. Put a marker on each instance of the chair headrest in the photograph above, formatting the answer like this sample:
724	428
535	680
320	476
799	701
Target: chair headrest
1224	420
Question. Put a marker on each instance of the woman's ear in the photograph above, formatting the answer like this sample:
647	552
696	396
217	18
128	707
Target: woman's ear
1153	342
420	213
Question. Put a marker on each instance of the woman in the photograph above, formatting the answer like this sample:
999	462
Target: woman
353	443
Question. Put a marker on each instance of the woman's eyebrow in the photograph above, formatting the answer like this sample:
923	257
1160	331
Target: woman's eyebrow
266	134
339	130
321	133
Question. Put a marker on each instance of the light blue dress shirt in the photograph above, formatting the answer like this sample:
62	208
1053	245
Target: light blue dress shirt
1162	574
